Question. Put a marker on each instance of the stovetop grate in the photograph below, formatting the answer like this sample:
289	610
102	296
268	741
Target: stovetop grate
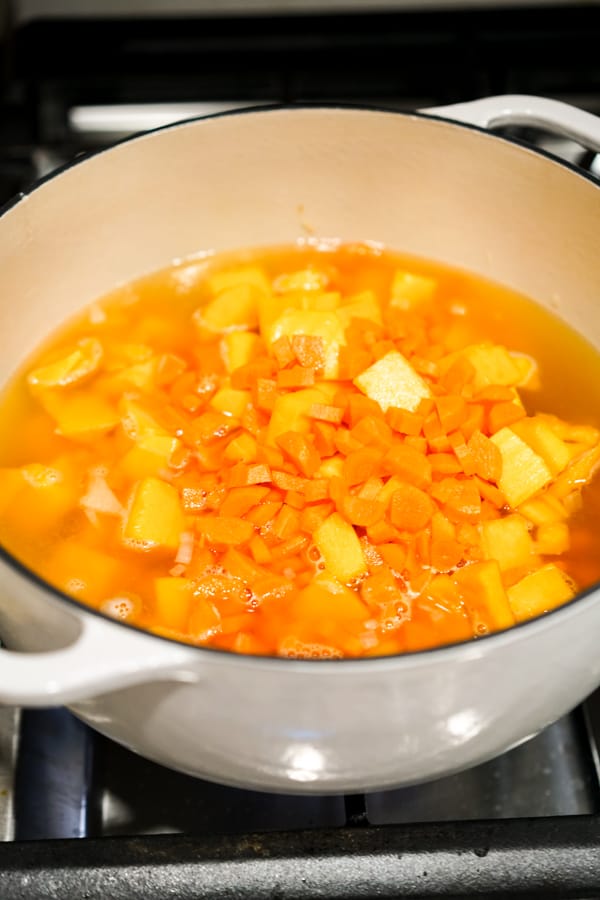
94	820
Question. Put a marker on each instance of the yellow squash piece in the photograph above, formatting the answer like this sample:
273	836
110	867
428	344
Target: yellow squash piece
231	401
234	309
149	456
508	541
173	599
481	589
326	606
290	413
77	364
238	348
316	323
80	414
409	290
544	441
244	275
539	592
340	548
392	381
524	472
155	518
82	571
361	306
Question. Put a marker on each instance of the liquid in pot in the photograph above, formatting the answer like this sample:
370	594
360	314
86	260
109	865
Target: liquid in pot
308	451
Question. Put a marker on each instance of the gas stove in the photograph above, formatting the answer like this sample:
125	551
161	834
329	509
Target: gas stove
82	817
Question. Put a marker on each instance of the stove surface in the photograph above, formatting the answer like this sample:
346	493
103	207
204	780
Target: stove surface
82	817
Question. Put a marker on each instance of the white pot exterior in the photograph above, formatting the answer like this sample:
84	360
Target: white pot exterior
420	185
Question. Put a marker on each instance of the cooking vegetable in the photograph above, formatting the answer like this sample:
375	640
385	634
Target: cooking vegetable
283	459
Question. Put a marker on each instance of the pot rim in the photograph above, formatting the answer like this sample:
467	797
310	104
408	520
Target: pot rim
458	648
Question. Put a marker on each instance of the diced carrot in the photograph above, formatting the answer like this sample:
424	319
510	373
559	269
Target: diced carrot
291	547
317	489
264	512
296	499
361	407
239	565
309	350
361	464
299	449
410	508
410	465
312	516
286	523
362	512
282	351
211	426
394	555
296	377
326	413
485	456
452	410
325	437
444	463
224	529
286	482
239	500
265	393
404	421
345	442
372	431
260	550
502	414
242	475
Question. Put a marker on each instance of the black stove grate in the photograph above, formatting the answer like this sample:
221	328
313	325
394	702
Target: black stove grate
94	820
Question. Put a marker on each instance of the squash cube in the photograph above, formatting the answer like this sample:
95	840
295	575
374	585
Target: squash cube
233	309
137	422
392	381
231	401
552	539
508	541
409	290
149	455
362	306
542	439
539	592
155	518
303	280
315	323
290	413
173	599
524	472
242	448
238	348
493	364
231	278
481	589
326	605
80	414
77	364
340	548
82	572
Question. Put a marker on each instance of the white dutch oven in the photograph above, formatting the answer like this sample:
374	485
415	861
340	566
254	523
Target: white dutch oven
426	184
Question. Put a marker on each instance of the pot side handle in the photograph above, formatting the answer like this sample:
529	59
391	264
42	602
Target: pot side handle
524	109
104	657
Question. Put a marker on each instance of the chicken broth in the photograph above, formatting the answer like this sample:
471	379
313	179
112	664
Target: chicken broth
307	451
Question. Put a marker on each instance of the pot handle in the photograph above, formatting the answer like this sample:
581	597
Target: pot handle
104	656
524	109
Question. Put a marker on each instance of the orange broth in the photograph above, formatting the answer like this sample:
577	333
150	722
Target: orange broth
313	452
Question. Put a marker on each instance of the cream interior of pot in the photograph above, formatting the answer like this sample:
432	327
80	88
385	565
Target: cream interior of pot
418	185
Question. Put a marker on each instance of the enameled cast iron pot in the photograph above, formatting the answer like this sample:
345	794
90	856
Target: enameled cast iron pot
435	184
